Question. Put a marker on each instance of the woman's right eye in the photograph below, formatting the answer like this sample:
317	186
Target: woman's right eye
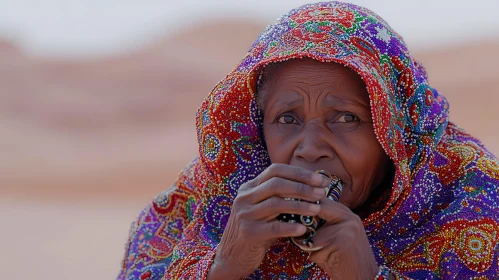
287	119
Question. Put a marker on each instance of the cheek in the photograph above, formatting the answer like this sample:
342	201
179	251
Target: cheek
279	144
365	162
363	157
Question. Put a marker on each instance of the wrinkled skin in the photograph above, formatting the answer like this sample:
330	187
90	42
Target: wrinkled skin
316	116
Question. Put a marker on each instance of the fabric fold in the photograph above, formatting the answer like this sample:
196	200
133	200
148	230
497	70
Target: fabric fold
440	220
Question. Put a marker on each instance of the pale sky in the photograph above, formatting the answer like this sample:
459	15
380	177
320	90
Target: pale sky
100	27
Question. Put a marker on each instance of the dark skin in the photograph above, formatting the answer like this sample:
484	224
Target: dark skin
317	116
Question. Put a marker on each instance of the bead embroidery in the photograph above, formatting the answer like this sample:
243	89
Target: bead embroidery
441	219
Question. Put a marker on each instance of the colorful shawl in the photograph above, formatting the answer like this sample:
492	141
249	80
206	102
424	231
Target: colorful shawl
442	217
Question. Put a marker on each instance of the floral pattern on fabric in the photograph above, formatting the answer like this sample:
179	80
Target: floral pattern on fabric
441	219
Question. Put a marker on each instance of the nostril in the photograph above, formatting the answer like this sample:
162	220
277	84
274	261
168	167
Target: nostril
311	158
313	150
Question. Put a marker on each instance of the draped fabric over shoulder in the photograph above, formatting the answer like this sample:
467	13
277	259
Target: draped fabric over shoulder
441	218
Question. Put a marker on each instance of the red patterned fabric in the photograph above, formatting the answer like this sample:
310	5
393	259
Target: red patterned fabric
441	219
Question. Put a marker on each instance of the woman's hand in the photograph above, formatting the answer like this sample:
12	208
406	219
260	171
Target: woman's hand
346	252
252	227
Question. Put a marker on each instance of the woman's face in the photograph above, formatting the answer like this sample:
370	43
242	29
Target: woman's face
317	116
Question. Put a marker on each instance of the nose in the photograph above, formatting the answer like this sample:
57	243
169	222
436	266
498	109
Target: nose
314	145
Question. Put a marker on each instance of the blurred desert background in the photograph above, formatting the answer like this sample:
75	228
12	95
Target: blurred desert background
87	139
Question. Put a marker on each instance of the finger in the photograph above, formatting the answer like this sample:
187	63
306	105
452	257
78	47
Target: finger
277	229
285	188
323	255
326	236
293	173
272	207
325	244
333	212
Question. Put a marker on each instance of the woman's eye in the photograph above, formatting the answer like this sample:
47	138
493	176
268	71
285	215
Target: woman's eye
286	119
346	118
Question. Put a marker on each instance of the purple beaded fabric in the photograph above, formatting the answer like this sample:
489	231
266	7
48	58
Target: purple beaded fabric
440	218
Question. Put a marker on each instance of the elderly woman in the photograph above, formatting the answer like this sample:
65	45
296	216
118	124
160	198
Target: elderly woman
329	86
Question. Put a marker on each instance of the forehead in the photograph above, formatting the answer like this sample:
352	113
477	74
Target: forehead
298	77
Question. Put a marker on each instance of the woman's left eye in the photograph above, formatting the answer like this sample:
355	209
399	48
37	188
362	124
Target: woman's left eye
346	118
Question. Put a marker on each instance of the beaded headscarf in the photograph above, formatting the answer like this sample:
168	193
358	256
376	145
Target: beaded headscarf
441	218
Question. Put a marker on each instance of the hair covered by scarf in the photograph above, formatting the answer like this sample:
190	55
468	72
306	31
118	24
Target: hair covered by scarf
442	217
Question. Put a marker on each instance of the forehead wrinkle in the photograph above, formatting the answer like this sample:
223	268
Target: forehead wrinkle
302	96
322	92
331	100
305	87
289	103
311	79
305	83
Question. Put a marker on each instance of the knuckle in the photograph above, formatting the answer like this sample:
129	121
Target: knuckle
267	173
242	215
277	184
239	204
239	199
275	229
274	203
302	189
245	186
274	167
296	204
258	180
301	173
277	166
272	181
